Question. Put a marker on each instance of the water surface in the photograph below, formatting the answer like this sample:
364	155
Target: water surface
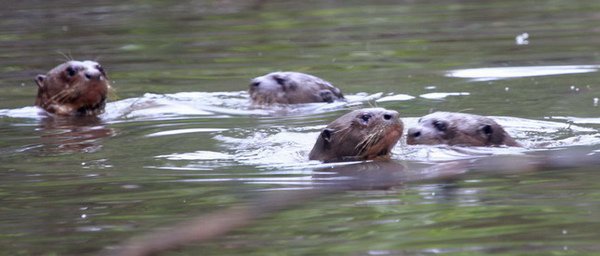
179	138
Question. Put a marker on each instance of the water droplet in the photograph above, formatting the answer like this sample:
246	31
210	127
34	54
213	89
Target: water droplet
522	39
130	186
83	216
379	252
595	102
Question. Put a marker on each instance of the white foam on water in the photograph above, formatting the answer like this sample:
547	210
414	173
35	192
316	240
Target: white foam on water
397	97
497	73
441	95
184	131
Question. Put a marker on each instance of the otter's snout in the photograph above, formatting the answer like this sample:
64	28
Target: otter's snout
254	87
413	135
414	132
93	75
390	116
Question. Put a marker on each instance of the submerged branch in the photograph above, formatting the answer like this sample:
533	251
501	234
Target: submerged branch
365	175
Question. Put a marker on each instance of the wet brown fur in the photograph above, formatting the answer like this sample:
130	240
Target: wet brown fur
62	94
292	88
459	129
350	138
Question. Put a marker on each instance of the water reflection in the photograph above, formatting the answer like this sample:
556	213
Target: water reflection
394	51
385	174
65	134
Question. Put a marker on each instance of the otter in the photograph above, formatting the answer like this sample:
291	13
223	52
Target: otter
459	129
363	134
292	88
74	88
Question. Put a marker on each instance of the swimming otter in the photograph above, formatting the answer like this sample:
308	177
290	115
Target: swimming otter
459	129
292	88
73	88
363	134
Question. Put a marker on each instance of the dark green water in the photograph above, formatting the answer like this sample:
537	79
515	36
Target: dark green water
78	188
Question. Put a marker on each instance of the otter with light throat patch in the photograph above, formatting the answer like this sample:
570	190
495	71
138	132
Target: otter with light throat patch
74	88
292	88
459	129
364	134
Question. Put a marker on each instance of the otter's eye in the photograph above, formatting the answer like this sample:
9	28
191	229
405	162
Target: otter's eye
365	118
441	126
99	68
71	71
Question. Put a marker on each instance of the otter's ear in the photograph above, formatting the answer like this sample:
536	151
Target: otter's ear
39	80
280	80
494	137
326	96
487	129
326	134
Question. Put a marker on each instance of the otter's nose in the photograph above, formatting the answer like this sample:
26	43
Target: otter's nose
414	132
93	75
390	115
254	84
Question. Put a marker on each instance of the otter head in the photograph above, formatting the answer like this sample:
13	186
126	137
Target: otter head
458	129
291	88
363	134
73	88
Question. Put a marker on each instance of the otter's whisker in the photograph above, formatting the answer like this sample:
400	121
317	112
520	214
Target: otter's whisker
63	55
343	132
465	110
368	141
370	103
63	95
372	140
54	98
